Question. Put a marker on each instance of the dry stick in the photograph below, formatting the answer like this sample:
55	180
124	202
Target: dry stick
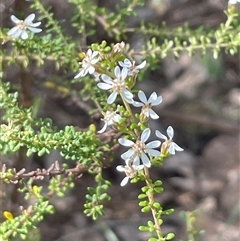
52	171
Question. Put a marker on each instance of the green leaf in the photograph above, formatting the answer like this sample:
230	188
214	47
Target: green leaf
170	236
146	209
144	228
156	205
143	203
158	189
145	189
158	183
42	151
168	211
142	195
103	196
29	152
150	223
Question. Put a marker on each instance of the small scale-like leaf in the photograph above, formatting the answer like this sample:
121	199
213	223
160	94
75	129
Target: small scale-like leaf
170	236
168	212
143	228
145	209
142	196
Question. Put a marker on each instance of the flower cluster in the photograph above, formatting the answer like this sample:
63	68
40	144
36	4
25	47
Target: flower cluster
118	81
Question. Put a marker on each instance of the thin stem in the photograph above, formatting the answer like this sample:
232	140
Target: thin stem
129	109
38	5
131	115
151	201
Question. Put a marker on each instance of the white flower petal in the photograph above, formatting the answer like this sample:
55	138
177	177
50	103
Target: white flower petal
177	147
102	86
125	142
153	152
127	94
112	97
103	128
137	104
152	97
29	18
17	33
157	101
35	30
78	75
145	160
138	167
142	65
116	118
171	149
117	72
129	100
126	63
106	79
153	144
89	52
120	168
24	34
91	69
128	154
34	25
142	96
124	181
94	61
153	114
170	132
160	135
13	30
145	135
94	54
124	73
136	162
14	19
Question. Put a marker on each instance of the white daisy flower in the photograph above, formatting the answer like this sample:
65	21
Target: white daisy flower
130	170
148	103
132	68
139	150
22	25
168	145
91	58
110	118
116	86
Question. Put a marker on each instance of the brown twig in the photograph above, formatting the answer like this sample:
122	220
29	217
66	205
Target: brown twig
52	171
